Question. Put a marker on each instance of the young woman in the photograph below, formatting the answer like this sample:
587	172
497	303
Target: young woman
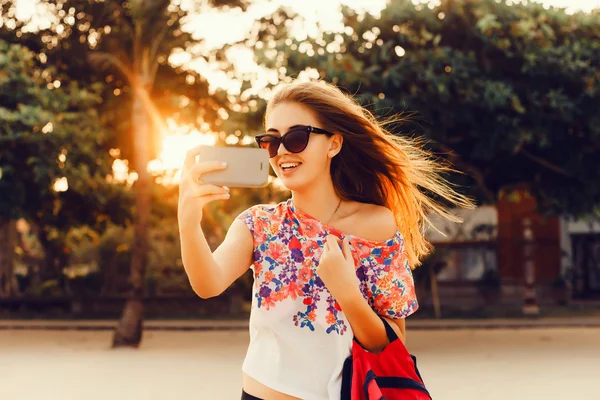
334	256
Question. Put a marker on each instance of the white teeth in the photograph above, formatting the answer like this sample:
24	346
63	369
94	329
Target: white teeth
289	165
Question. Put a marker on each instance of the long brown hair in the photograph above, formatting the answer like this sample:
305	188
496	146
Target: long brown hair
377	167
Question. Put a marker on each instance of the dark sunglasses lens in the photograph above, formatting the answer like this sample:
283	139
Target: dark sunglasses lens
296	140
269	143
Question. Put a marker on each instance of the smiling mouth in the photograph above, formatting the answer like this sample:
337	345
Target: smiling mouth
289	166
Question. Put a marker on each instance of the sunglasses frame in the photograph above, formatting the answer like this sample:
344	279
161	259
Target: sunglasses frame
281	139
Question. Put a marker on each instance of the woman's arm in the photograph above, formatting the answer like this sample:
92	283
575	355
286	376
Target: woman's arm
338	272
211	273
366	324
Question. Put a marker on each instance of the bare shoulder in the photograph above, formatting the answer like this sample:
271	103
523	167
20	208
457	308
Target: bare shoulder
374	222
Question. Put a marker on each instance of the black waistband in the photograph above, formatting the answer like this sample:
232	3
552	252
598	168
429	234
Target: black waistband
246	396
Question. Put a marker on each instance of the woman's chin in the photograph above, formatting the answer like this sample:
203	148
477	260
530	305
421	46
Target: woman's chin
293	183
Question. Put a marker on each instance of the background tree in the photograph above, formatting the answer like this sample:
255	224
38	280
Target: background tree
151	31
510	94
52	156
131	42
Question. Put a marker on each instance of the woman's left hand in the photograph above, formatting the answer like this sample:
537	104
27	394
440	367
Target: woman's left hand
337	269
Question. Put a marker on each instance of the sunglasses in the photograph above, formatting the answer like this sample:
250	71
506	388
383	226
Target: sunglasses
295	140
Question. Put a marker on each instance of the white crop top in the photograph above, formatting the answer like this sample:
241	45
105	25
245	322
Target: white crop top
299	336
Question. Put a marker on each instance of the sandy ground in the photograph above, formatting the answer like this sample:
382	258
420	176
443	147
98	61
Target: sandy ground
459	364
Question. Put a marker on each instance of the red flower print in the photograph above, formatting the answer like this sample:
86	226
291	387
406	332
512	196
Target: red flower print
381	302
330	319
296	250
386	252
293	290
395	293
295	243
311	250
269	275
268	302
379	260
278	296
305	274
276	250
364	251
287	250
312	230
260	235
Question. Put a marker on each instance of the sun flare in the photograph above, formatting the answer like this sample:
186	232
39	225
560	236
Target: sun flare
167	166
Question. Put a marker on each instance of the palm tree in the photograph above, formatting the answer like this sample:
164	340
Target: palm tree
151	24
129	41
8	235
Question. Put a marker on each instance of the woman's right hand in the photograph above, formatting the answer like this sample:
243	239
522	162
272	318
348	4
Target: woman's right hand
193	194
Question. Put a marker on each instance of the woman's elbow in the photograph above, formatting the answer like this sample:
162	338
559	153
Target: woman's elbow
203	291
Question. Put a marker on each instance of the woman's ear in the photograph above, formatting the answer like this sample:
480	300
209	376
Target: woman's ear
335	145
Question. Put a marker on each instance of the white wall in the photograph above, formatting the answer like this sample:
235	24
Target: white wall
485	215
569	227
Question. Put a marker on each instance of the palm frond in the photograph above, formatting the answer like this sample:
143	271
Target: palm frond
243	4
108	62
148	13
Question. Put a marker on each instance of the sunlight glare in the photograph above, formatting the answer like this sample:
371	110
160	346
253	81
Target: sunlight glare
48	128
175	145
232	139
120	172
61	184
247	140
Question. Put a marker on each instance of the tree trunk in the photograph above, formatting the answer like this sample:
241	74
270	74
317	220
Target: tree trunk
435	294
55	258
8	236
129	331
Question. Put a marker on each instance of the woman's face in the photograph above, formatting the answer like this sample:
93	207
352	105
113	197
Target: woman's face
301	170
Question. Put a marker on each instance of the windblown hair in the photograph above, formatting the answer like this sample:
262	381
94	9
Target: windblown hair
377	167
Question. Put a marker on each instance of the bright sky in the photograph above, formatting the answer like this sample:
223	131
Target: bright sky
220	28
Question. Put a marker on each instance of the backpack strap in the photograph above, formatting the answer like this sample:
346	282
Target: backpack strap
391	382
347	371
389	331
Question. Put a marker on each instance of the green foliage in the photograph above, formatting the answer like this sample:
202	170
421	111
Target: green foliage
116	34
83	29
510	94
48	134
53	156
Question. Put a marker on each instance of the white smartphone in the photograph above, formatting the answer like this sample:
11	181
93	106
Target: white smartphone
246	166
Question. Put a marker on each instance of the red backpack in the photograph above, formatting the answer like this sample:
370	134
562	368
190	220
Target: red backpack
389	375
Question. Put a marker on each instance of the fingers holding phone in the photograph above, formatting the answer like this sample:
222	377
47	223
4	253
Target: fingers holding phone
193	193
201	168
208	172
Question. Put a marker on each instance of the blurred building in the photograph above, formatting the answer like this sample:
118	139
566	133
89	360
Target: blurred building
488	254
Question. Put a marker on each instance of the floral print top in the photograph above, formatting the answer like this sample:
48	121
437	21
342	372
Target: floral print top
295	324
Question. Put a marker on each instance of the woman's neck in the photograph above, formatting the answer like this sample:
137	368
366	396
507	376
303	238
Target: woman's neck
319	201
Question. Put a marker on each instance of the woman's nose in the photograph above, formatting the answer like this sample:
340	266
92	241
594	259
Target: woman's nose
282	150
